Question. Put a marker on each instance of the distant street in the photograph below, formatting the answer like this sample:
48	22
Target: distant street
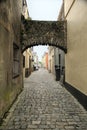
45	105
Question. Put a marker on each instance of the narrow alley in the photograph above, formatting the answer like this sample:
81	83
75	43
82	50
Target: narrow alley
45	105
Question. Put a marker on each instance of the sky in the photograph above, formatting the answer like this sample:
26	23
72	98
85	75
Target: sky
45	10
40	51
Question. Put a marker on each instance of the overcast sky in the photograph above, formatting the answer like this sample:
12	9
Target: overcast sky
46	10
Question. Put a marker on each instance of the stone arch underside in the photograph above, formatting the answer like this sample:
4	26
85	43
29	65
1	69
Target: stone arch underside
43	33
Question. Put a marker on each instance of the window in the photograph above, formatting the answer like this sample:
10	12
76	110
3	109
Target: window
16	61
23	61
59	59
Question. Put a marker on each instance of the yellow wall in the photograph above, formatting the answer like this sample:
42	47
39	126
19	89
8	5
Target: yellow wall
67	5
27	54
76	57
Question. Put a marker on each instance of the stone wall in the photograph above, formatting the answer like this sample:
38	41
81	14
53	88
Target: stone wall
44	33
10	23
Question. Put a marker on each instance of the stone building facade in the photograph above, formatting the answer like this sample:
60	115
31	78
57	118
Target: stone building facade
35	60
45	60
27	54
10	53
59	59
51	60
76	57
59	55
27	62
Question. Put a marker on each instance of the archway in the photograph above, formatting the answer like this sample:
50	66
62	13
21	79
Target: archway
43	33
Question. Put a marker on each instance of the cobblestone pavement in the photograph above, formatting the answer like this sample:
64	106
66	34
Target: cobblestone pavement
45	105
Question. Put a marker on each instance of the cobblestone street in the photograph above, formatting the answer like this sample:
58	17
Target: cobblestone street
45	105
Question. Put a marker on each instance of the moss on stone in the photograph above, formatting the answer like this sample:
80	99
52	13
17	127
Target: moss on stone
44	33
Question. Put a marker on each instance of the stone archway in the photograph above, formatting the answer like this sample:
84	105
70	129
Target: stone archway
43	33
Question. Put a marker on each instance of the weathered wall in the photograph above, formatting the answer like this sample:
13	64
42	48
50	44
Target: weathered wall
44	33
76	57
10	21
